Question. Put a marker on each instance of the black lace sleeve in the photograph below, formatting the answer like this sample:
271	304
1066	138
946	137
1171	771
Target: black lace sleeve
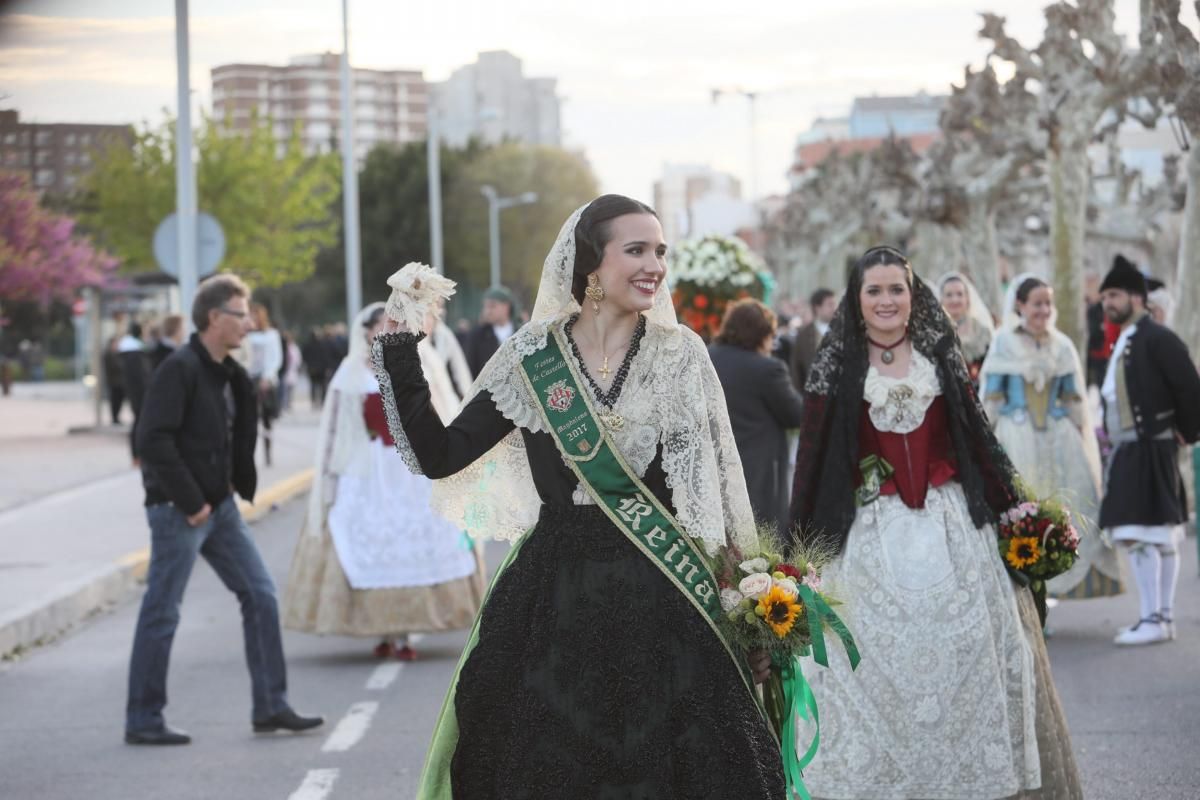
441	450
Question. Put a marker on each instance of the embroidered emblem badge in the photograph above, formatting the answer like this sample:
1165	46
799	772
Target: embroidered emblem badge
559	396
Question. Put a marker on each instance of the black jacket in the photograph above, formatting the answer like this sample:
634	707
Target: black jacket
481	345
762	406
1163	385
191	454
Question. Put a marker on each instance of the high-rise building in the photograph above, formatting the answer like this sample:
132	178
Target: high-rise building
54	155
492	100
695	200
390	106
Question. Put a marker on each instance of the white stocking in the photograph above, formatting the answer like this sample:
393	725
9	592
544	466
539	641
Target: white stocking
1168	577
1147	569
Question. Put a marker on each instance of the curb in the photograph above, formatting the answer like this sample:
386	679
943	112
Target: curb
44	621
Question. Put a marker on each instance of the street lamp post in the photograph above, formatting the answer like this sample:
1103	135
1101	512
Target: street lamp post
496	204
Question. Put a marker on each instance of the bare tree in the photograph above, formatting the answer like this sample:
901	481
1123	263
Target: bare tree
1084	71
990	134
1176	59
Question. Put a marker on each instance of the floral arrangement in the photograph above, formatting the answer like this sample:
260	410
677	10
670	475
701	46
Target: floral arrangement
1037	542
775	603
709	273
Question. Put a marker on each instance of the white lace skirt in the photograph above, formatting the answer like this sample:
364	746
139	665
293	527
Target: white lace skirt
942	706
384	530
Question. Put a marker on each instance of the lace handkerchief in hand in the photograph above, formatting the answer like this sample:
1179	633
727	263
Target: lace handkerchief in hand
416	287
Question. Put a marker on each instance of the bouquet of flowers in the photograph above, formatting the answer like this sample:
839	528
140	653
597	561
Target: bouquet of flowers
775	603
1037	541
708	273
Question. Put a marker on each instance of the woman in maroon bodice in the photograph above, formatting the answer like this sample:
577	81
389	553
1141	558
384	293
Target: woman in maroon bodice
899	476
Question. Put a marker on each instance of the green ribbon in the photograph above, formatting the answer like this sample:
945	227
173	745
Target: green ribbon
820	614
798	701
875	471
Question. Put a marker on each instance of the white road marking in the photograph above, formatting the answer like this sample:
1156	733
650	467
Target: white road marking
351	728
384	676
318	783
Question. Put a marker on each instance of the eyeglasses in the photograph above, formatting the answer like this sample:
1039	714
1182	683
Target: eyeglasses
232	313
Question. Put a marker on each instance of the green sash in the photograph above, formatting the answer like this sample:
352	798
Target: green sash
571	419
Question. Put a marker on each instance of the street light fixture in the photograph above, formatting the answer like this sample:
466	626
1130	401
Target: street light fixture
496	204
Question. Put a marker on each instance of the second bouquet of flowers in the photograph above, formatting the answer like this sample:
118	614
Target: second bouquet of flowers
1037	541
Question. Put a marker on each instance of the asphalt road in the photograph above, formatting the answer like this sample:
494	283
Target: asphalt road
1134	714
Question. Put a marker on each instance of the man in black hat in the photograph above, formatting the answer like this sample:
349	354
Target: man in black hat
496	326
1149	395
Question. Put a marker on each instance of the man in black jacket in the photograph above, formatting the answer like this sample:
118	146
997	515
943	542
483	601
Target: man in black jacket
498	324
1150	393
196	440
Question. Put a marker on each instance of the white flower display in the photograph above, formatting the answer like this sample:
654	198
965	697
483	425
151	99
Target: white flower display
730	599
754	565
415	288
715	260
756	585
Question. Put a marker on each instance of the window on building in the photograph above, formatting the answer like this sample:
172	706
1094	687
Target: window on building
44	177
10	137
85	159
44	138
69	140
43	157
85	139
69	158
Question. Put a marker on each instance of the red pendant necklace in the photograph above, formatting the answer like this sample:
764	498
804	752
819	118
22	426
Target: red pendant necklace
887	356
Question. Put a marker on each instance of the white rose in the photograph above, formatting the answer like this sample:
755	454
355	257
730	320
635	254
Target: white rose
756	585
730	598
754	565
787	584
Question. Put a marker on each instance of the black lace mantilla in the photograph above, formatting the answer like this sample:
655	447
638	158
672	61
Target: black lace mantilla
823	507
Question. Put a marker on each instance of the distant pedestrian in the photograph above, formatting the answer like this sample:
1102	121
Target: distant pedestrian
496	326
1149	397
762	404
972	320
114	380
135	371
265	350
824	304
315	353
170	338
291	371
196	438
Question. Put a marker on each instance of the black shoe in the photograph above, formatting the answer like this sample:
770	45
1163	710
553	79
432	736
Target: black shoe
163	735
287	720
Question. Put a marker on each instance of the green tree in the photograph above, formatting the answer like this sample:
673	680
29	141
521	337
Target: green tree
272	200
562	180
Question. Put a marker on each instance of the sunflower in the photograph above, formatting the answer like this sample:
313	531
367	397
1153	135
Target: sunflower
779	608
1023	551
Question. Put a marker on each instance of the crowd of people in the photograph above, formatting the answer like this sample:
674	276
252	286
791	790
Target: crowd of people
891	430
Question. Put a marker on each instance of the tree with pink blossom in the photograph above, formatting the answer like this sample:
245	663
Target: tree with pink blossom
42	258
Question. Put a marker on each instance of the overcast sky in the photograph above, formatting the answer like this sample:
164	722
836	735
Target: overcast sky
634	76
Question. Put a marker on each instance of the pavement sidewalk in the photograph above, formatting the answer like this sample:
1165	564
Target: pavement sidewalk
73	534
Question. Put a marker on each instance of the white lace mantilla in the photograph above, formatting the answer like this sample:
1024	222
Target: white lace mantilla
898	405
671	397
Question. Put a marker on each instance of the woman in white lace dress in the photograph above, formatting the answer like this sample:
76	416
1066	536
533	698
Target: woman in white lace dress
374	559
898	474
1033	388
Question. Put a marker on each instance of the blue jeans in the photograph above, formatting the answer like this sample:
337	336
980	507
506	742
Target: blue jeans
224	541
